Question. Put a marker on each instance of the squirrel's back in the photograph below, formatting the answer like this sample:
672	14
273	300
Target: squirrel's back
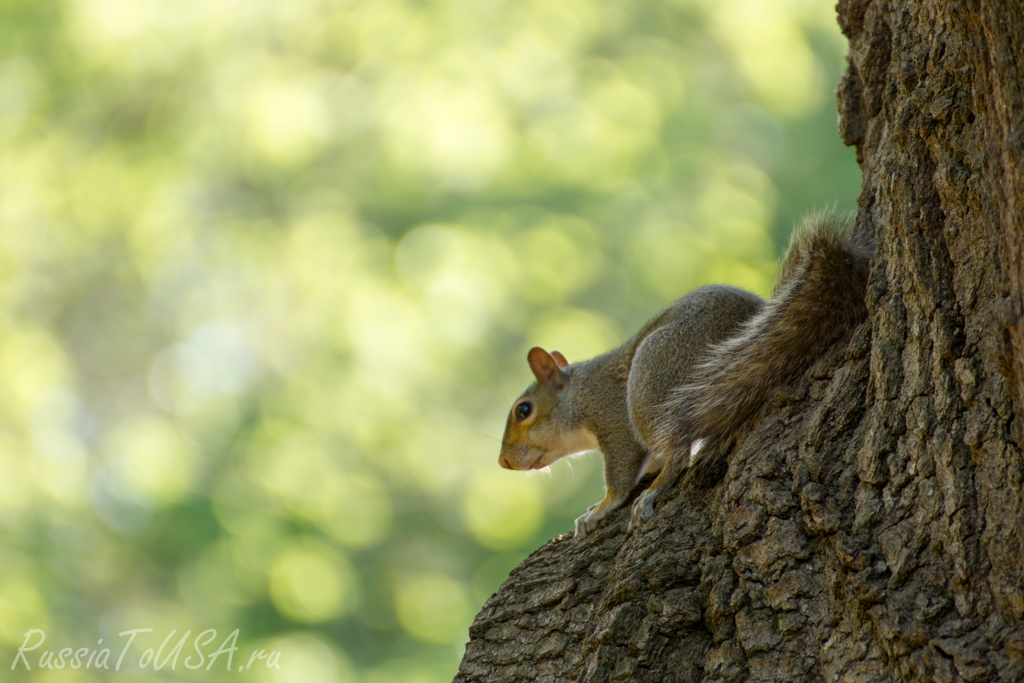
669	353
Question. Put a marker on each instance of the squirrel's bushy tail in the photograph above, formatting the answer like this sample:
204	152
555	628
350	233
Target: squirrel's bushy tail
818	297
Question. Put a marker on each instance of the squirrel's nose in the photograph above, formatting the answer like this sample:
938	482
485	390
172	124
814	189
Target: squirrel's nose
504	463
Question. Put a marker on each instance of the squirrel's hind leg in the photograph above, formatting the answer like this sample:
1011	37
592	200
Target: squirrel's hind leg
706	469
675	465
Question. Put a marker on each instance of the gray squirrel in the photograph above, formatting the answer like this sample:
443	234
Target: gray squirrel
672	398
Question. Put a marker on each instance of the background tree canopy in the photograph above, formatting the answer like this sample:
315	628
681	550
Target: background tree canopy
269	271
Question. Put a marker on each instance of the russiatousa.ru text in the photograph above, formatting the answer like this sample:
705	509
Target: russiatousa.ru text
100	657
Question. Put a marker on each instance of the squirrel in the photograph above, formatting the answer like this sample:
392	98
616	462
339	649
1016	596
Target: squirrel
672	398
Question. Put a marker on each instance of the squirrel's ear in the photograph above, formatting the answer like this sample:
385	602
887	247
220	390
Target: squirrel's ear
545	368
559	358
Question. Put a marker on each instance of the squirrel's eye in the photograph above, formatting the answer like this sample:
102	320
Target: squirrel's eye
523	411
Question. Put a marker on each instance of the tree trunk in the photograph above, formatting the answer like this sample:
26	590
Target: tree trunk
871	524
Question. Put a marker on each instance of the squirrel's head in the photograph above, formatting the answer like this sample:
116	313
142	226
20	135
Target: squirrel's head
534	436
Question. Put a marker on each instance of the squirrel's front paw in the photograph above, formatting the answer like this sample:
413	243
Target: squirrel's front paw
643	508
586	523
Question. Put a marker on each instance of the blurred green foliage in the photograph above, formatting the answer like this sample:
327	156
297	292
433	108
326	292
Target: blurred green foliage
269	270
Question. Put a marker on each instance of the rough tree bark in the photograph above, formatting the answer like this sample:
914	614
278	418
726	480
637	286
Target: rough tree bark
871	524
